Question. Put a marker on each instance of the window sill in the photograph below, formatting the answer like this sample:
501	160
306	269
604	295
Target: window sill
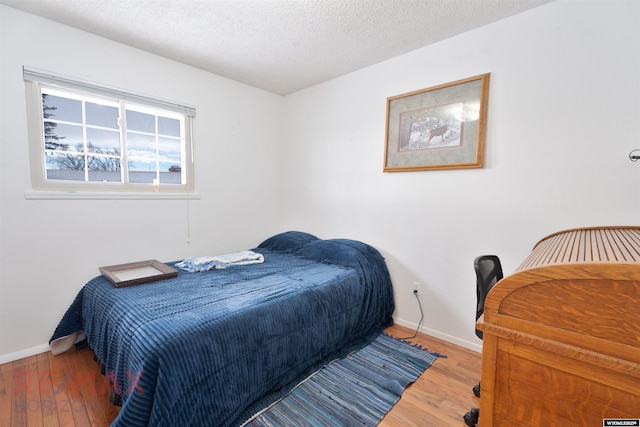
88	195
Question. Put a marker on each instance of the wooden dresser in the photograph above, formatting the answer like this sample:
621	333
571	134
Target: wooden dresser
561	340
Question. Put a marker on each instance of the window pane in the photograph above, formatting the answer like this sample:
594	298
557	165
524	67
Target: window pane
59	108
65	166
141	176
103	141
68	137
104	163
169	149
141	122
141	164
170	173
141	155
167	165
102	115
142	146
53	141
104	169
169	127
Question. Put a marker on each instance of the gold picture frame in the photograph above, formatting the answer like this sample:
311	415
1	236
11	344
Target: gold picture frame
137	273
441	127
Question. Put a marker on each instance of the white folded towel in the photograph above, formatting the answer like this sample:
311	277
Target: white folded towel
206	263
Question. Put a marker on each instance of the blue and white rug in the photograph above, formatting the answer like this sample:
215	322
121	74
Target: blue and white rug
358	389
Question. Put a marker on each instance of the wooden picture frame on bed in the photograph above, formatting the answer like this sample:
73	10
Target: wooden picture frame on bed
441	127
137	273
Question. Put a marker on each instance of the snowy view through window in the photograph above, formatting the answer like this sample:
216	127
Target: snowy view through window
100	140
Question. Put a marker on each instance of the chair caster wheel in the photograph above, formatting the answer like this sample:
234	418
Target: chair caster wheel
476	390
471	417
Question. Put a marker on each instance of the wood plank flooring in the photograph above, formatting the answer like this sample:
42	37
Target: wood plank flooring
68	390
443	394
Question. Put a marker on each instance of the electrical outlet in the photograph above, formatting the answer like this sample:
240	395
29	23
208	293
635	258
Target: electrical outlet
415	286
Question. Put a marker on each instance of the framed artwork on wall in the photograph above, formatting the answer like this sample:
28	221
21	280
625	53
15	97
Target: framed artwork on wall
441	127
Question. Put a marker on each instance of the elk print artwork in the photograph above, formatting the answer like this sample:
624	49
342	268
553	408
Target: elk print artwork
441	127
430	128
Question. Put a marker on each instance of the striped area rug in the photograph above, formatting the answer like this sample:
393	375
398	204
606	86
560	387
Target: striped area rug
357	390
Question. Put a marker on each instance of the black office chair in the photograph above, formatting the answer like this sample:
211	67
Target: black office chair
488	273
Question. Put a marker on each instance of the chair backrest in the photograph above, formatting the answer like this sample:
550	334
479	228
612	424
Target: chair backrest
488	273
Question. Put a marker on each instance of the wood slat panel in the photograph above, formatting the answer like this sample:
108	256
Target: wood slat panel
586	245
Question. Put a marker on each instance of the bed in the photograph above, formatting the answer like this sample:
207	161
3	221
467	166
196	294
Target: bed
212	348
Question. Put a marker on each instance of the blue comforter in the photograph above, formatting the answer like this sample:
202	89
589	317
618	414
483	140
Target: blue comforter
211	348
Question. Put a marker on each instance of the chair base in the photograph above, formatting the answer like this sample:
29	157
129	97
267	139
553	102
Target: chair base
476	390
471	417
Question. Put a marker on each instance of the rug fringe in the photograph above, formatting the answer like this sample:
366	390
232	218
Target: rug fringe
418	346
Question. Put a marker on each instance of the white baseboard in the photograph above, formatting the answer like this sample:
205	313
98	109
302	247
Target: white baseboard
10	357
440	335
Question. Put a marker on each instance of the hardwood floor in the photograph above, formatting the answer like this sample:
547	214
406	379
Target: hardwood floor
443	394
68	390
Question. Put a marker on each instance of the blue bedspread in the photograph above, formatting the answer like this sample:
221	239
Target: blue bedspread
210	348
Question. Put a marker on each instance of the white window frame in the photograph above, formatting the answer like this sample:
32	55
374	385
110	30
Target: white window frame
43	188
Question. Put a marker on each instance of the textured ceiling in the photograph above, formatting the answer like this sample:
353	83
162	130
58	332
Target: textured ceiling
280	46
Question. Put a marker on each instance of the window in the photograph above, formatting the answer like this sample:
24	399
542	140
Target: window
89	138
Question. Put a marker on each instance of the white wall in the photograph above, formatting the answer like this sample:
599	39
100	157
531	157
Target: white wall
563	115
50	248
